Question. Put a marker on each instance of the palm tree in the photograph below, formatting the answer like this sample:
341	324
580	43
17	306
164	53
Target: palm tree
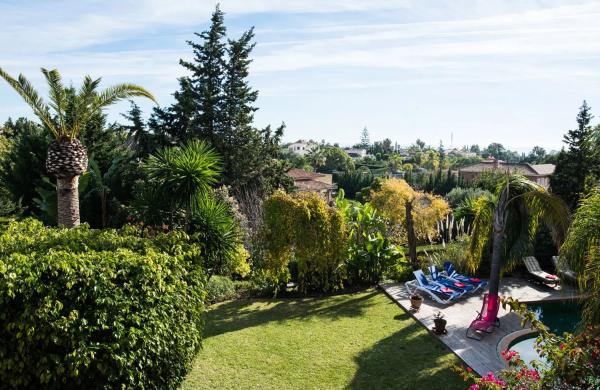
581	251
64	117
509	221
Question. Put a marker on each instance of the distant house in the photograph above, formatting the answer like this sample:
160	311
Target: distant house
539	174
355	153
460	153
301	147
312	182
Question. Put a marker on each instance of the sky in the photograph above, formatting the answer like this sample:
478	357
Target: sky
457	71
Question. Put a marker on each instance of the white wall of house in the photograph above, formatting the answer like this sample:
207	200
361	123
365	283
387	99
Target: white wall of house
356	153
301	148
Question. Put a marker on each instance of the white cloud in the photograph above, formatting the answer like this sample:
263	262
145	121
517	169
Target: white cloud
343	45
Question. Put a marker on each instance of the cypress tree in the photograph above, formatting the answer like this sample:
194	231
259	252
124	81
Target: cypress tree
573	164
208	70
173	125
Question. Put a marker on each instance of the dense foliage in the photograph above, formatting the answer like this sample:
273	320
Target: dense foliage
85	308
390	200
580	162
181	196
524	205
459	194
216	104
371	255
219	288
581	251
304	228
352	182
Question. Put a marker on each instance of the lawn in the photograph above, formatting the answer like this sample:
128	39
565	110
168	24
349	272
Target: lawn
357	341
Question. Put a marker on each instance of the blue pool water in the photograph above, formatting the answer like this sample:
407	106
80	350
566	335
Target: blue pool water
560	317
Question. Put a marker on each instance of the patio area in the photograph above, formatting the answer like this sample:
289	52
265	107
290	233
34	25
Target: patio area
481	356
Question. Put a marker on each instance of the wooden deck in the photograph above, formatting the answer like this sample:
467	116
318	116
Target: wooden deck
482	355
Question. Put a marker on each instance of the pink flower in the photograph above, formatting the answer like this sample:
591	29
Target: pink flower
508	355
474	387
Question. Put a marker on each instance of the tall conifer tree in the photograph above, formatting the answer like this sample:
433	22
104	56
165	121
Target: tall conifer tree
208	70
576	161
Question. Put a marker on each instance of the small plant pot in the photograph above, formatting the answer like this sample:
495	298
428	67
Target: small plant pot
440	326
415	302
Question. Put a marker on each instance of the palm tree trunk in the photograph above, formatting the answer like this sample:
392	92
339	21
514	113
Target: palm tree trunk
496	263
500	215
68	201
412	239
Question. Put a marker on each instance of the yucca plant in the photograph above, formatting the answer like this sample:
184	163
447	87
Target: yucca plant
64	117
581	251
508	222
184	174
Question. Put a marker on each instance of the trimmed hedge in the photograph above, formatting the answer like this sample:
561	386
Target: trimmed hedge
92	309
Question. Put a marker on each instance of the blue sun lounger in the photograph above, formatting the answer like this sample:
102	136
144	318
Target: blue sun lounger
451	273
449	282
435	291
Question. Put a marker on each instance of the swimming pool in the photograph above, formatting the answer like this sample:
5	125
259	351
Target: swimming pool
560	317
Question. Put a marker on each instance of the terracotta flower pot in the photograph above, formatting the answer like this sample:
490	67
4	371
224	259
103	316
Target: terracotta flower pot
415	302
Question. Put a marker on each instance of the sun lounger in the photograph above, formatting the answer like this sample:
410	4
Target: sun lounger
449	282
564	270
437	292
451	273
487	318
539	275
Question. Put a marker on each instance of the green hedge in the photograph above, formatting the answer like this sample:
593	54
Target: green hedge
219	289
92	309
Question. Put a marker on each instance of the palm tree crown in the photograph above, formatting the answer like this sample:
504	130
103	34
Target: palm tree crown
70	115
65	116
509	221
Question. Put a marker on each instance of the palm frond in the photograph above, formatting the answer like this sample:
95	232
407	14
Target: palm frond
118	92
24	88
583	234
482	229
186	172
83	103
590	283
58	96
529	205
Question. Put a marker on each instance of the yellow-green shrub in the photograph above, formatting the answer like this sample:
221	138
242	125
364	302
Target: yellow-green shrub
303	227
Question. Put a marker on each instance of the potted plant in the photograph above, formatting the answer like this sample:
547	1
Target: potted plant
440	323
415	301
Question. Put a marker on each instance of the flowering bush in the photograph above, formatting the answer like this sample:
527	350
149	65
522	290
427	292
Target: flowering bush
572	360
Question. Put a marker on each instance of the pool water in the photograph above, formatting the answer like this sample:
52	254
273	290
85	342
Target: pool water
560	317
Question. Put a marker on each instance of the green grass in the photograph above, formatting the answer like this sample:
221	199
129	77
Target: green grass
356	341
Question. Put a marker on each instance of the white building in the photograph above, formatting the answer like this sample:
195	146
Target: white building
356	153
301	147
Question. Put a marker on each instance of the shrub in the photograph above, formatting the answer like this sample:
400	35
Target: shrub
302	227
93	309
370	252
219	289
353	181
390	200
456	197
